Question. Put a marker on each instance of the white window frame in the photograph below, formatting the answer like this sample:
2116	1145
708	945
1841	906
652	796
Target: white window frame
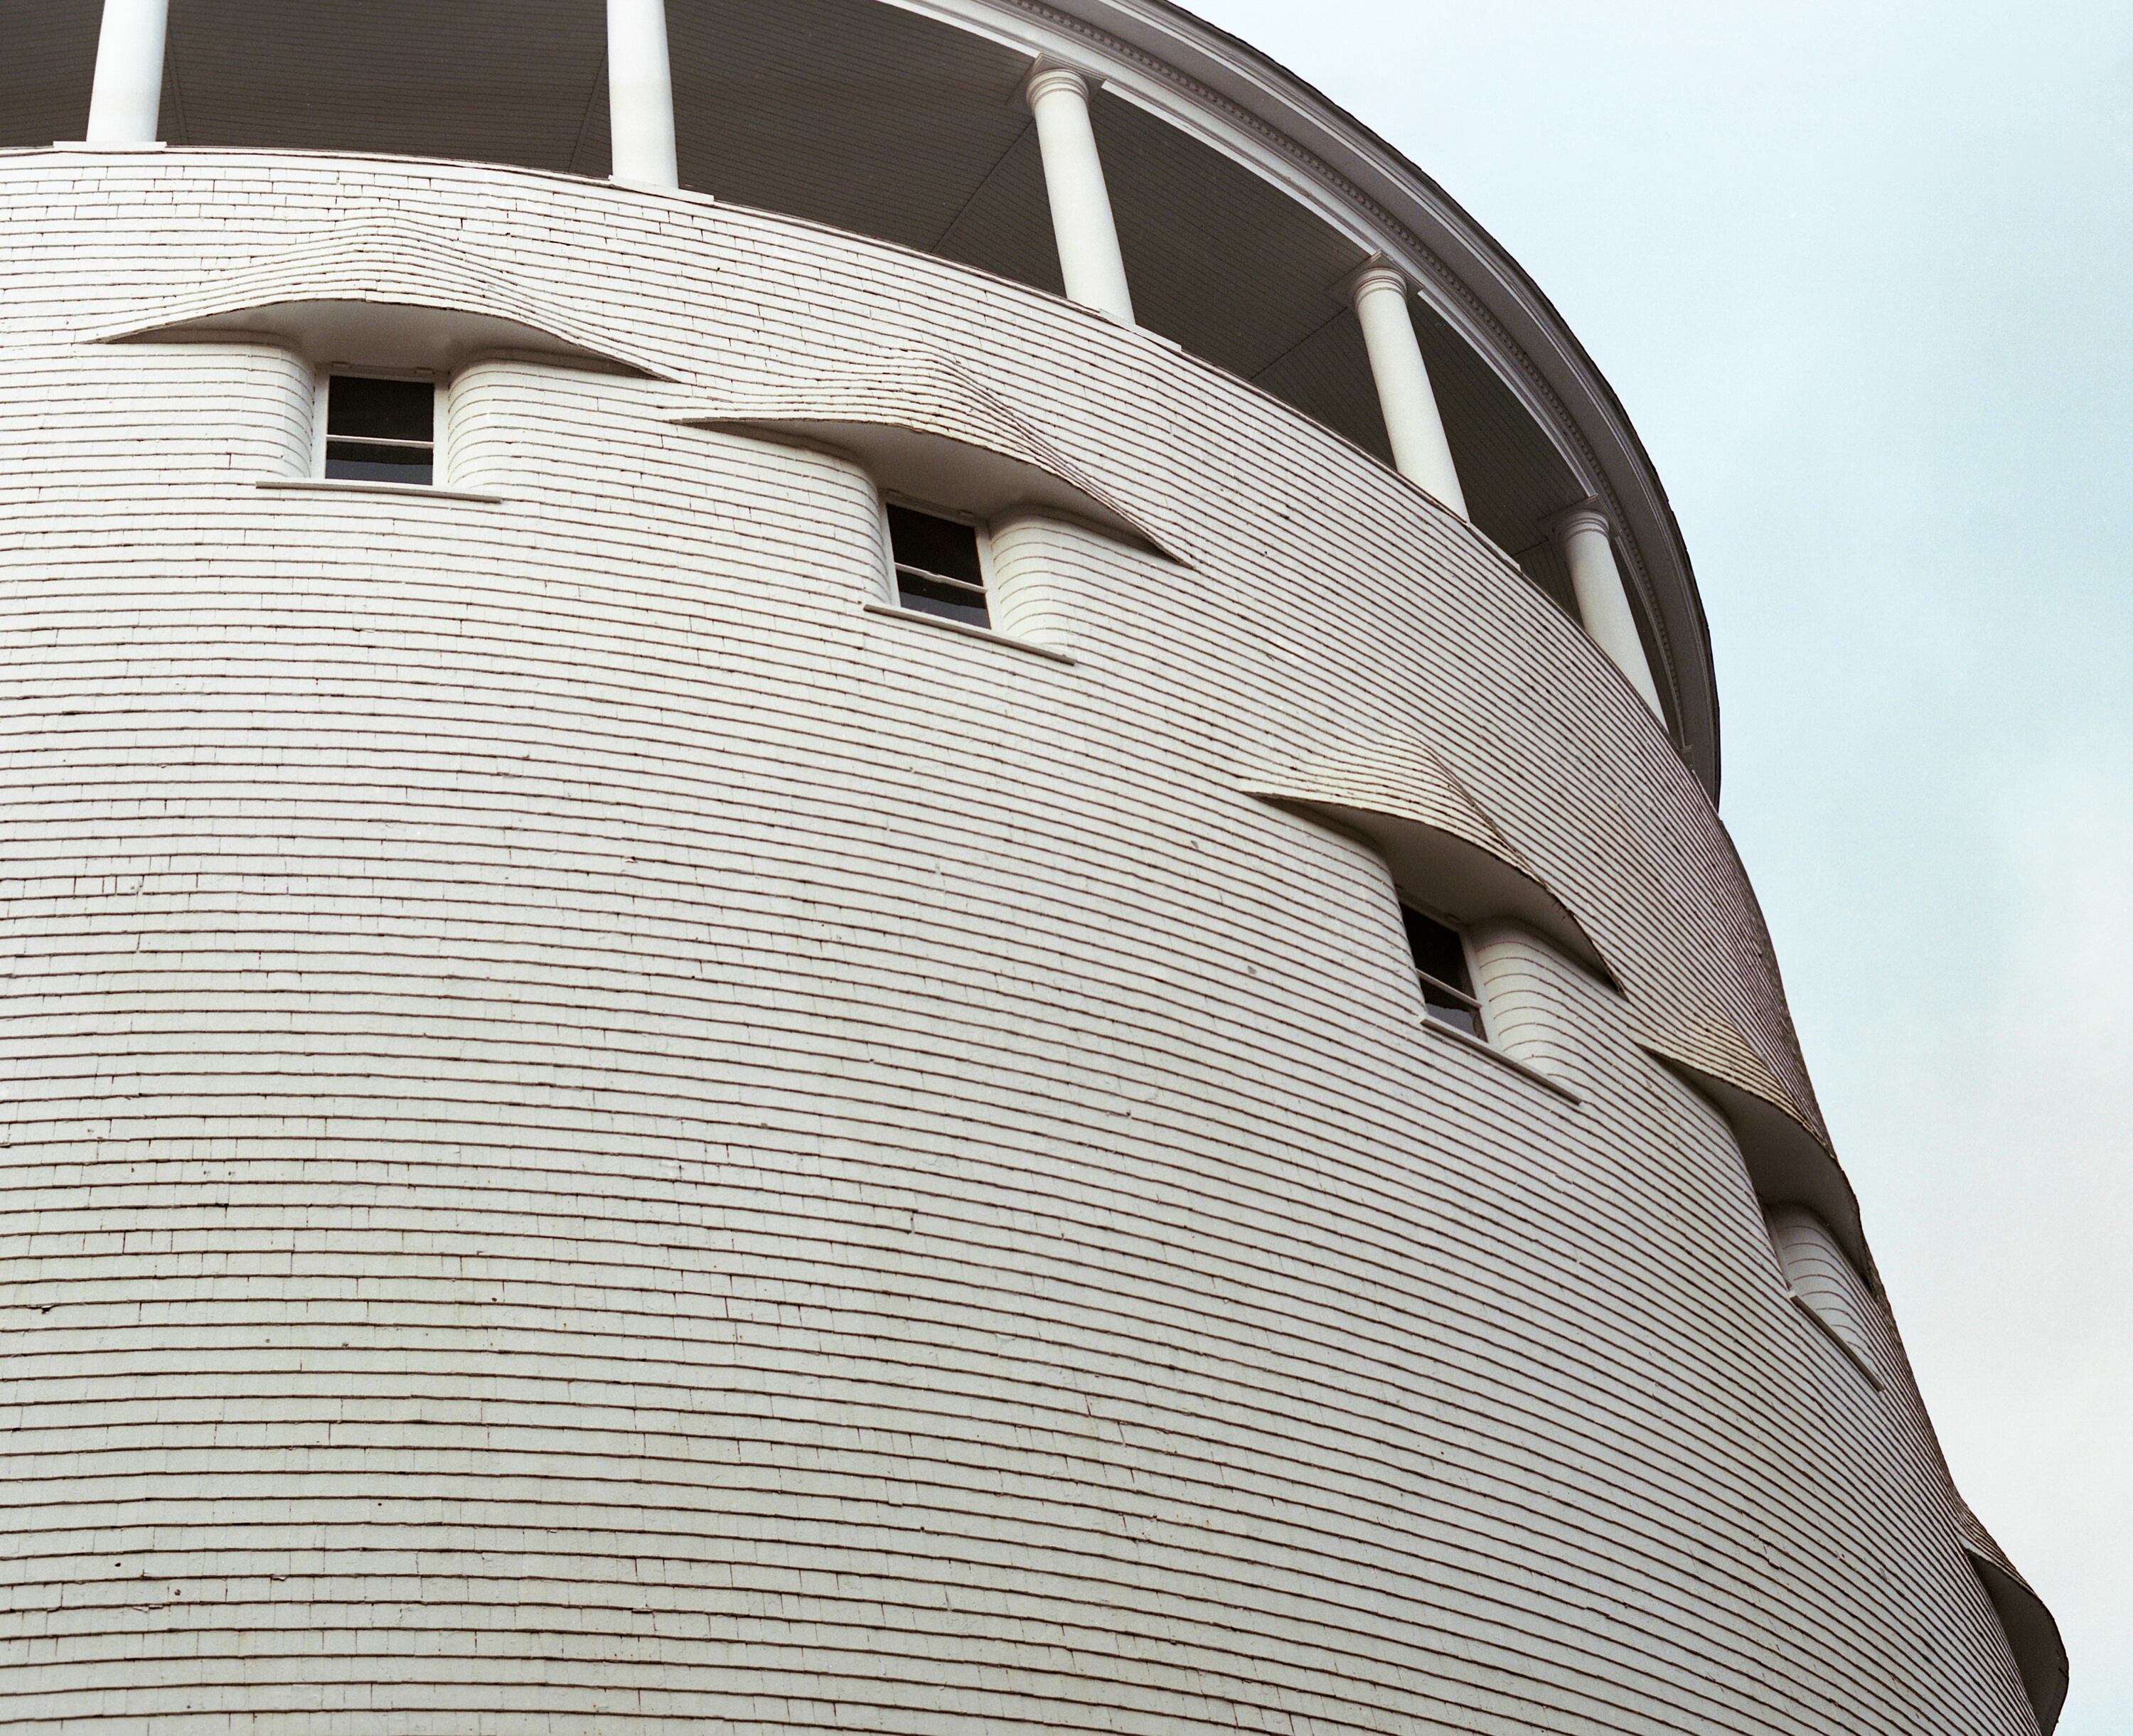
439	418
892	592
1472	997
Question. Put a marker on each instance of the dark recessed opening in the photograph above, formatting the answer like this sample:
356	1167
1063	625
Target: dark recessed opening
380	431
1440	962
938	571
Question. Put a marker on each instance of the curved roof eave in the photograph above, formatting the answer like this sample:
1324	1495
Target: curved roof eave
1466	273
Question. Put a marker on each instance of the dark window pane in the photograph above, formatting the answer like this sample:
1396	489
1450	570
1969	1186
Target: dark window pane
935	597
938	544
380	410
351	461
1446	1011
1438	951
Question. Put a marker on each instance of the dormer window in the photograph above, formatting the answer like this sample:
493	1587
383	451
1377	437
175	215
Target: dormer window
1440	963
1824	1283
939	569
380	429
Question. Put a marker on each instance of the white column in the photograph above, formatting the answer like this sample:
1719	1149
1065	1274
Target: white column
1603	600
640	94
126	105
1420	451
1081	221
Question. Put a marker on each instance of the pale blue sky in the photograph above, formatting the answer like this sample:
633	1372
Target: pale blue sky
1860	272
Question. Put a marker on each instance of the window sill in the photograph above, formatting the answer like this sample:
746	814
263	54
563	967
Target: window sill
1837	1338
919	618
398	491
1452	1034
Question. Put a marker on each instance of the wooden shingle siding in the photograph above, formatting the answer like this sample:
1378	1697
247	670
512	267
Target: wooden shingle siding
598	1140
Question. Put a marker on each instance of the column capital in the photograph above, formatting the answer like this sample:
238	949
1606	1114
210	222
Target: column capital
1049	76
1588	514
1376	273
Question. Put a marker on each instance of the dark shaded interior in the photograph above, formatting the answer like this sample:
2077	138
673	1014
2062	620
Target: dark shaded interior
47	63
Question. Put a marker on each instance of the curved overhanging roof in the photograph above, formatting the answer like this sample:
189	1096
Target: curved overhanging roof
1439	844
392	291
925	428
1443	849
2033	1633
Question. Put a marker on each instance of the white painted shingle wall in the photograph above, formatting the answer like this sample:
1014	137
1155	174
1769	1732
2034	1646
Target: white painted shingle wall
601	1141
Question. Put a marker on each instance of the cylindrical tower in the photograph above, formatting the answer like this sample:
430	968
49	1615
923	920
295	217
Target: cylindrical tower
761	979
